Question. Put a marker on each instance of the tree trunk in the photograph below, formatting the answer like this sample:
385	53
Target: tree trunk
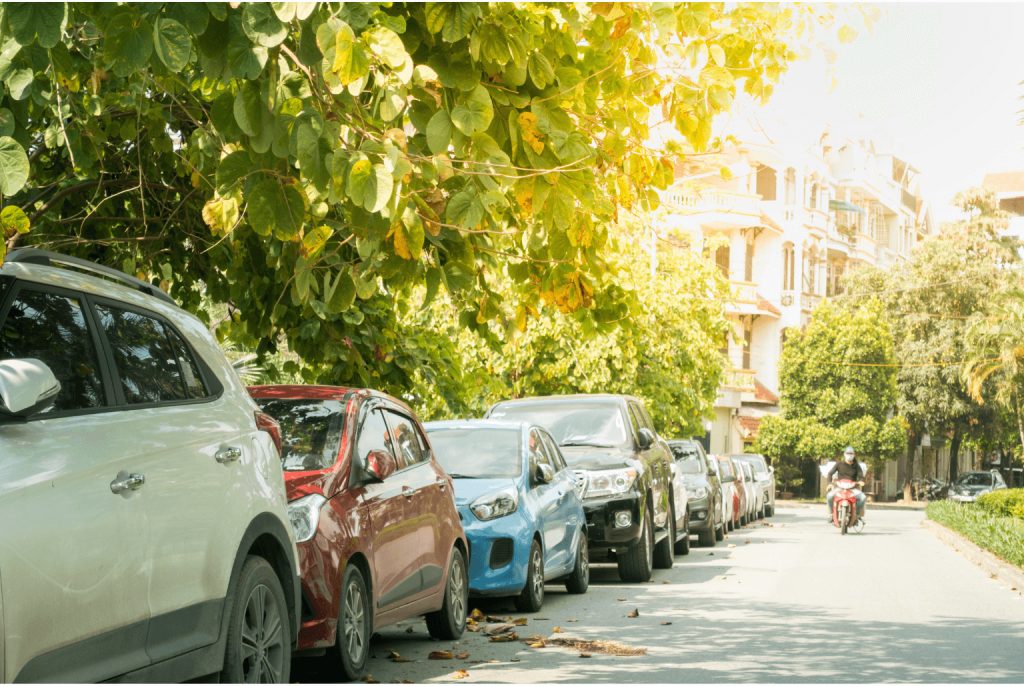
908	468
954	454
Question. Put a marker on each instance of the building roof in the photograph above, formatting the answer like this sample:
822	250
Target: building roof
762	394
1005	183
763	304
748	426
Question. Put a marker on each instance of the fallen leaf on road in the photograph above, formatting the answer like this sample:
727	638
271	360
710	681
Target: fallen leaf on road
476	615
666	582
538	642
519	621
504	638
666	623
495	629
515	659
572	620
621	600
557	630
394	655
461	674
710	553
603	647
368	679
747	542
584	654
440	655
461	656
634	614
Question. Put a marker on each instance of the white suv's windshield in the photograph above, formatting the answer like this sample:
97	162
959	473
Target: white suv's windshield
571	422
310	431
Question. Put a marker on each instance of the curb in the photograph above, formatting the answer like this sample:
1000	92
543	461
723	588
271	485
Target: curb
996	568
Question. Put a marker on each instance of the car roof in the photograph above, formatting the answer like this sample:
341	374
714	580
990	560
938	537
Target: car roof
478	424
322	392
610	398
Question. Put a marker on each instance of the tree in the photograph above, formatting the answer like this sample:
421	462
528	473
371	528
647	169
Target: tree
312	165
837	381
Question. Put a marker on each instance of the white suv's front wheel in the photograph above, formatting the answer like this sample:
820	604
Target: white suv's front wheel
259	648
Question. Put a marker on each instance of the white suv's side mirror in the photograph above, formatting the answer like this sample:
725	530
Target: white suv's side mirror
27	387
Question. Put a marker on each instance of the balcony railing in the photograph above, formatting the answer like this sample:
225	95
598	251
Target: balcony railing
712	200
746	292
739	380
809	301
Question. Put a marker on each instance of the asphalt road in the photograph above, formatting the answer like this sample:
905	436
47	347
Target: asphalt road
792	601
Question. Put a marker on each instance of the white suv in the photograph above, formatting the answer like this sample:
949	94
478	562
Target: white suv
144	531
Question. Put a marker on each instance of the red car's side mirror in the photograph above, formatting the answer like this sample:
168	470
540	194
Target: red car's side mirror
380	465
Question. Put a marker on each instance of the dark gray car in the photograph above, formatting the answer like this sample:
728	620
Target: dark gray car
764	476
704	489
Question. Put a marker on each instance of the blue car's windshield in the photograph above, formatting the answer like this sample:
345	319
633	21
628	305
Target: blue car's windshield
478	453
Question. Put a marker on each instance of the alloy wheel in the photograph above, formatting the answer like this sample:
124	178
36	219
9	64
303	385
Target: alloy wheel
355	622
262	638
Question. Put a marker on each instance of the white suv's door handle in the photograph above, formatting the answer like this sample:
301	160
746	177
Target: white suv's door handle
225	455
127	482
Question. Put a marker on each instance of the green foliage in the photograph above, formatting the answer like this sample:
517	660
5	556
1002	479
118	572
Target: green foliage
437	143
1003	536
1007	502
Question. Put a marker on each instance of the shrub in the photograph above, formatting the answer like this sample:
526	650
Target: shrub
1004	503
1003	536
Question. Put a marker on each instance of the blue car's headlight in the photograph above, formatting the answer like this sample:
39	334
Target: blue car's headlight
496	504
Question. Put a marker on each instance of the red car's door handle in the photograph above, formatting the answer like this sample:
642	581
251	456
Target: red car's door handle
442	484
407	492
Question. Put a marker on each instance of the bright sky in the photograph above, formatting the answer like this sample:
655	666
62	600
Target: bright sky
937	84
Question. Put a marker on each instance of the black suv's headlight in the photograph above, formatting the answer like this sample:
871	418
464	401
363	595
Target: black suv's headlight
610	482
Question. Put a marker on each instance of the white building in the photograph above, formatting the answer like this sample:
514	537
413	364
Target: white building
784	227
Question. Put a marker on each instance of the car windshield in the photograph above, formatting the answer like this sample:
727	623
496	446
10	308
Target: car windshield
726	467
478	453
756	463
975	479
687	457
310	431
570	423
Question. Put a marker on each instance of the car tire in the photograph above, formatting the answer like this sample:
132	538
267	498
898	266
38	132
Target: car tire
664	550
770	510
355	625
532	597
682	546
259	642
579	580
637	563
707	537
449	622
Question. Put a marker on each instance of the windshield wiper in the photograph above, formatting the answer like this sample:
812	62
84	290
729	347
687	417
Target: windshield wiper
589	444
465	476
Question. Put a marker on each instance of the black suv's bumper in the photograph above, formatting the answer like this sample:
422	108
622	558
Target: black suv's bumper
700	518
601	529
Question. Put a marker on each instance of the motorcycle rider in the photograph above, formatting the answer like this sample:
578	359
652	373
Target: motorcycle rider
848	468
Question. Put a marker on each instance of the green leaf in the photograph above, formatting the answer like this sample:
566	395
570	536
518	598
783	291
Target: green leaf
366	286
386	45
19	83
276	208
474	113
13	220
172	43
541	72
262	26
245	60
314	241
464	209
343	295
221	213
717	54
452	20
232	169
37	21
345	56
309	155
193	15
392	104
285	11
251	114
369	185
128	43
14	167
439	132
7	123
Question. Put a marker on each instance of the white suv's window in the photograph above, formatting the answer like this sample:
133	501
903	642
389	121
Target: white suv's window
53	328
147	362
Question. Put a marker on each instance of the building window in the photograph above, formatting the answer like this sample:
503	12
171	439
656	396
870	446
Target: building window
766	183
788	267
790	186
748	266
722	259
747	339
810	274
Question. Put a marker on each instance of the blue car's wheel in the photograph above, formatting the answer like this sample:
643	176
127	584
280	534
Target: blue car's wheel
532	597
579	580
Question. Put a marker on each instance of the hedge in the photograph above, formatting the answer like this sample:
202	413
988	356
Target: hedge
1007	502
1003	536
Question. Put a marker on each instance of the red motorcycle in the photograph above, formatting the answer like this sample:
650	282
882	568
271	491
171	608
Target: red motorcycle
844	506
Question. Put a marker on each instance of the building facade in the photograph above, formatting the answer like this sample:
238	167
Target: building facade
784	227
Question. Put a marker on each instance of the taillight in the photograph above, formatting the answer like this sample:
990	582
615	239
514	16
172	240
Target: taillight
264	422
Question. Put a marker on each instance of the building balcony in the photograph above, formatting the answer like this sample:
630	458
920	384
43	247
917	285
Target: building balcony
747	301
741	380
716	209
809	301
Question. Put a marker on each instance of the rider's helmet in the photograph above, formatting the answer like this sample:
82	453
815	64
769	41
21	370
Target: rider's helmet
848	454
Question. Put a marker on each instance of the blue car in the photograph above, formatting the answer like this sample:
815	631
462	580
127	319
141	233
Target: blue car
519	507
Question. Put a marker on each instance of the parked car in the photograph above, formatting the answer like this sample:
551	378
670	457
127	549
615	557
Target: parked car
146	533
518	503
732	476
623	473
728	495
704	490
378	532
970	485
754	494
764	476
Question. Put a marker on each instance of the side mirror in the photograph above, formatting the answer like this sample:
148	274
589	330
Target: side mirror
545	474
646	437
27	387
380	464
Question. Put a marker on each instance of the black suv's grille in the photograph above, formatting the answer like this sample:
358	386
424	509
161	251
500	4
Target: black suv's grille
501	552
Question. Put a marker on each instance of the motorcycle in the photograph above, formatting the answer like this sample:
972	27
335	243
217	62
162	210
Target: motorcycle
844	506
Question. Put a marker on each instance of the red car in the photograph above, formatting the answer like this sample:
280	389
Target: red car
374	516
732	482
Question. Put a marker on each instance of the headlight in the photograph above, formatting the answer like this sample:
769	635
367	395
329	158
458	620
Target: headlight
699	492
304	515
494	505
610	482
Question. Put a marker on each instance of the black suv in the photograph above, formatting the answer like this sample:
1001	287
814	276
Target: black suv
623	473
704	489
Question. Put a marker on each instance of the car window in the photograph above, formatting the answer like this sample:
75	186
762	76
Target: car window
725	467
687	458
53	328
194	383
478	452
373	436
147	365
538	455
999	479
405	443
645	418
310	431
634	419
572	422
554	453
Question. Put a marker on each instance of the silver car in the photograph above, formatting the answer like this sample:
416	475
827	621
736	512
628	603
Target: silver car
970	485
